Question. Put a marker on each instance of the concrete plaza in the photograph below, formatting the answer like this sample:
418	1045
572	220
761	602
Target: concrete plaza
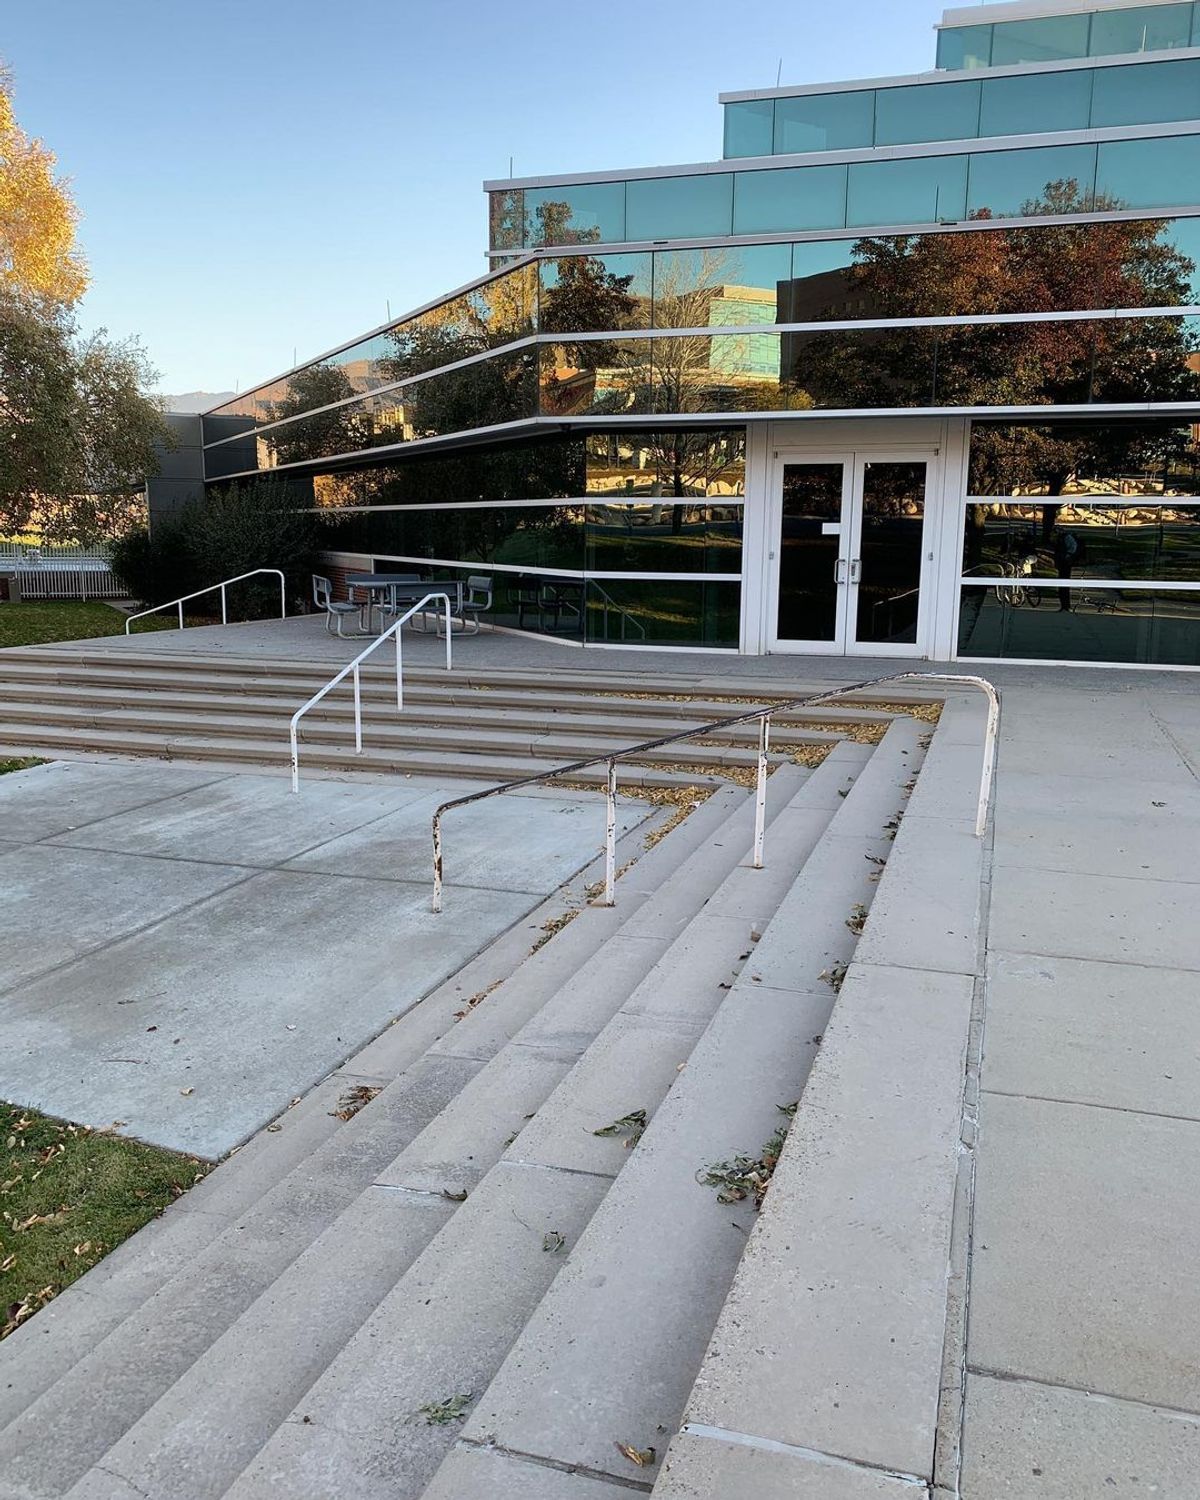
186	950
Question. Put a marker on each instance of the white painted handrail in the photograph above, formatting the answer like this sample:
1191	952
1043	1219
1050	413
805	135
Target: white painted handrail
351	669
179	603
763	715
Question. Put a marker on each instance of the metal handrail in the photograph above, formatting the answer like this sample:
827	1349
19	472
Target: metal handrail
351	668
610	602
760	803
253	573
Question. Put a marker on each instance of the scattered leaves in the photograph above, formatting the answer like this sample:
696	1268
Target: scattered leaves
553	1242
452	1409
477	999
643	1457
629	1127
834	976
555	924
748	1176
459	1197
353	1100
857	919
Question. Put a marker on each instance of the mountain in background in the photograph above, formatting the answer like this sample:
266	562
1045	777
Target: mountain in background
197	400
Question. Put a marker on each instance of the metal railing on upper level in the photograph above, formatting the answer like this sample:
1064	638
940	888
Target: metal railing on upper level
212	588
763	715
351	669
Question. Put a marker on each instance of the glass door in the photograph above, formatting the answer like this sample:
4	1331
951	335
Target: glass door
887	555
809	563
849	553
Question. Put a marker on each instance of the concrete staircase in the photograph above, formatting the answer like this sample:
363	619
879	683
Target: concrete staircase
473	1289
497	725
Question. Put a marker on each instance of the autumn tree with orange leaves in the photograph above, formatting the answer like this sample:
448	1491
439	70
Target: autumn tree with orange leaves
78	432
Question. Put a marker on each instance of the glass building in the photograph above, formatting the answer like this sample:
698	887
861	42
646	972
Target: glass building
913	369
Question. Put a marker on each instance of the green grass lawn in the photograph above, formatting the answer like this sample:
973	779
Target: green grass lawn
69	1195
38	623
20	765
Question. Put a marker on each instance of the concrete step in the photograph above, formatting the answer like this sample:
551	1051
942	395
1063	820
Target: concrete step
611	1351
65	741
52	1443
109	652
394	731
536	714
849	1277
452	1316
47	1346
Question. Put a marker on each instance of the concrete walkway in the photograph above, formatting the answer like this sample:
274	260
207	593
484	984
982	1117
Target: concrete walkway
1083	1342
186	951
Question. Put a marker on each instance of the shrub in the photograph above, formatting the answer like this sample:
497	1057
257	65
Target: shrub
155	569
233	530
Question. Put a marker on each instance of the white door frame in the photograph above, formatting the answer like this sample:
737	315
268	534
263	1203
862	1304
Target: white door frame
854	457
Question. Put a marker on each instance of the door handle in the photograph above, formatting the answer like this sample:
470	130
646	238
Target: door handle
855	569
838	575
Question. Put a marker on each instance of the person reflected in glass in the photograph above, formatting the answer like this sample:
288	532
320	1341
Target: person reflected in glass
1068	552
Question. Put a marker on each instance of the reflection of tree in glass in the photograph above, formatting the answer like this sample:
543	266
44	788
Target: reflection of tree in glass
1032	269
343	429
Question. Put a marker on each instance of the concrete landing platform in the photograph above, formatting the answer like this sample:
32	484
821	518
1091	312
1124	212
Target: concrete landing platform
186	951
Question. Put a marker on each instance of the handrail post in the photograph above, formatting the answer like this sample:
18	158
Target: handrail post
399	680
181	614
760	789
610	834
224	611
989	756
357	713
437	860
449	632
282	595
295	758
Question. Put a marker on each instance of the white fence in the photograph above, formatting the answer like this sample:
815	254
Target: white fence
85	578
51	554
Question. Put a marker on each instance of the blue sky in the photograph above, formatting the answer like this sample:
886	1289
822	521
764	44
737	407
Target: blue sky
258	177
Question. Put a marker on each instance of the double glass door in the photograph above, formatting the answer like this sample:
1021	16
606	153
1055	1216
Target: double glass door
849	553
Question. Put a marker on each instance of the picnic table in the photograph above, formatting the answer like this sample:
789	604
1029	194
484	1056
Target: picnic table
397	589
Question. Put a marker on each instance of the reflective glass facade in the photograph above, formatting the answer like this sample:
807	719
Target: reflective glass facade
585	425
1143	28
1029	104
1082	543
1157	172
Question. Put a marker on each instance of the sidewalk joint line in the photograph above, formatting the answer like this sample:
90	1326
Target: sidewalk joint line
1119	1109
1089	1392
796	1450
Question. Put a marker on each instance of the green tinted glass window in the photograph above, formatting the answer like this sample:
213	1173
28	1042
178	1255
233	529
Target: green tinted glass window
575	214
749	127
1144	93
825	122
1036	102
675	613
1147	28
1148	174
1081	623
916	191
733	285
1047	179
1044	40
790	198
679	207
926	112
964	47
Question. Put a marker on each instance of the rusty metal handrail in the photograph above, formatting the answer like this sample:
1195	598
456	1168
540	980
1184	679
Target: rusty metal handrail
763	715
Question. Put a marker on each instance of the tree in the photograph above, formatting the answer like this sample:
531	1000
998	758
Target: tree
1040	268
37	216
78	433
